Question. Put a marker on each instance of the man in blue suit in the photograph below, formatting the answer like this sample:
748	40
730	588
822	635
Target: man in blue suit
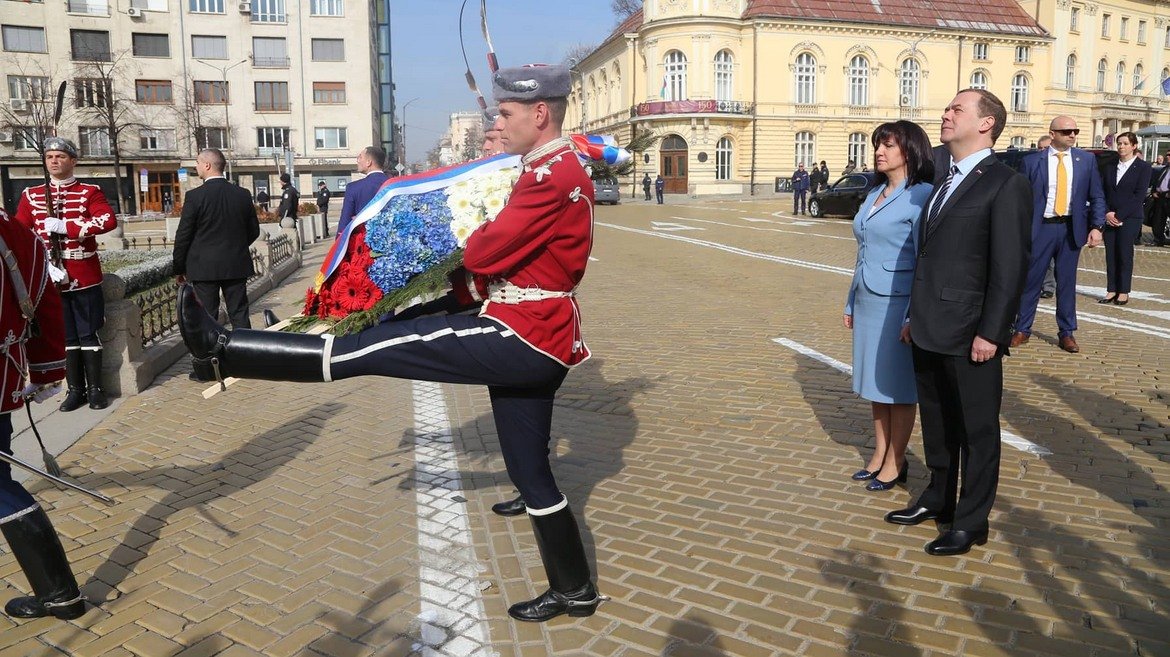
358	193
1068	212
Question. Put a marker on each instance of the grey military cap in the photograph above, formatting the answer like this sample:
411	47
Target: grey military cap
489	117
532	82
61	144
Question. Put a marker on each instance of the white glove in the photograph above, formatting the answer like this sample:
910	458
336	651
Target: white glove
58	275
39	392
55	225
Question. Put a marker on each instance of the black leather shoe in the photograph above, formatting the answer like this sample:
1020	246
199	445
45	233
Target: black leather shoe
510	508
582	602
864	475
1120	302
1112	299
914	515
1047	295
954	542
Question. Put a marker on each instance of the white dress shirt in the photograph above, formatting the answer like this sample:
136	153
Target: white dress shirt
965	166
1122	167
1050	203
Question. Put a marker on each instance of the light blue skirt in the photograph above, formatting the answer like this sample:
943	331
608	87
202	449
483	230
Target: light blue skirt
883	366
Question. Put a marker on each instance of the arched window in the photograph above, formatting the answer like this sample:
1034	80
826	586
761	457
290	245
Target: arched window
675	81
1070	73
1139	78
1120	76
673	143
1020	93
859	81
858	149
979	80
910	74
723	75
806	79
603	95
806	148
1102	67
723	159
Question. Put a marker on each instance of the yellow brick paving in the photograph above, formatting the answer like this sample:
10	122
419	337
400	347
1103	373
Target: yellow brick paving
711	466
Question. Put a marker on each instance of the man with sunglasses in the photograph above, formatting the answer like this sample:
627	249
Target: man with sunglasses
1068	212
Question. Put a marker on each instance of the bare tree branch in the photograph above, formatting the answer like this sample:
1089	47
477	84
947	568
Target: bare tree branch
577	52
623	9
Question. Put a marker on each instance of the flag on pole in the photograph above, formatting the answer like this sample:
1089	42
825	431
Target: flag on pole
1166	87
662	93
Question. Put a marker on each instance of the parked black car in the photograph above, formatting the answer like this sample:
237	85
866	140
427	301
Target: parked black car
844	196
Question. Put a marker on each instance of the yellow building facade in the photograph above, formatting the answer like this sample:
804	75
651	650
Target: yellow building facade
742	90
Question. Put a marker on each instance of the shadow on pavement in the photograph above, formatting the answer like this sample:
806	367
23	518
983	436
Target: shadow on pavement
195	487
692	636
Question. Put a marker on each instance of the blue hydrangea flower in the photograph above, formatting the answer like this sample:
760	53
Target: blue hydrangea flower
410	235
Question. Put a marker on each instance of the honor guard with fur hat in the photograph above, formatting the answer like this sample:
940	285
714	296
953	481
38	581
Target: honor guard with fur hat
79	212
525	266
34	354
492	129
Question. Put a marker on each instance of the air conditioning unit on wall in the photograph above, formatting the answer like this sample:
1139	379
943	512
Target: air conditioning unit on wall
134	12
245	7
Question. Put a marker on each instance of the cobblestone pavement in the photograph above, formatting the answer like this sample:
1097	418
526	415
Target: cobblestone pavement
708	445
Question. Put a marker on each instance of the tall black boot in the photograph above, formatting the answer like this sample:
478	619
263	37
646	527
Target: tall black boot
218	353
571	591
38	550
75	378
93	378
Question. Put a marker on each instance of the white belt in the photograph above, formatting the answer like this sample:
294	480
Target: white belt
505	292
77	254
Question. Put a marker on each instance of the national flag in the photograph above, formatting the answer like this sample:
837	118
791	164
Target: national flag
1166	87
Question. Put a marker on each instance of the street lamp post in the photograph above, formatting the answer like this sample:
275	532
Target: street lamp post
404	106
226	128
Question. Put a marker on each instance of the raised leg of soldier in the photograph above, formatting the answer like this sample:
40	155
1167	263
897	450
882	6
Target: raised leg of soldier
36	547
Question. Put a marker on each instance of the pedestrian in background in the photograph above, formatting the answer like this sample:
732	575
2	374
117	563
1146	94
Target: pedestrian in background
323	197
646	185
370	162
885	226
659	187
1125	193
800	184
290	198
824	175
214	239
262	198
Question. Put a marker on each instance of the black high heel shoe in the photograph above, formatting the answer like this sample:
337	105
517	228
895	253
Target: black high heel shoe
879	485
864	475
1112	299
1118	302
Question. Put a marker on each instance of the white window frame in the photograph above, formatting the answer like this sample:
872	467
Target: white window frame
1019	95
206	6
1105	20
156	140
1120	76
330	138
1139	74
1102	73
805	76
859	81
1023	54
1070	73
805	144
981	50
979	79
1074	19
724	75
91	136
326	7
724	150
909	81
269	11
21	87
858	149
27	40
675	75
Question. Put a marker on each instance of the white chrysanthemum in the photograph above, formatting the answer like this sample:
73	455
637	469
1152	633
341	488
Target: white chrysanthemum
493	204
461	204
461	231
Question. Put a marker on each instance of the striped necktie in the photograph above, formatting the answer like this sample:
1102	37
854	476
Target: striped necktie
940	198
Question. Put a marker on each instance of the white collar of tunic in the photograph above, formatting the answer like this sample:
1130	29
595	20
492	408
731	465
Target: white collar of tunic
547	149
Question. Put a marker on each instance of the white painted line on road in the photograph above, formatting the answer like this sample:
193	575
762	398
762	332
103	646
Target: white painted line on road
452	619
757	220
737	251
1146	278
1009	438
768	230
670	226
592	259
1099	292
1091	318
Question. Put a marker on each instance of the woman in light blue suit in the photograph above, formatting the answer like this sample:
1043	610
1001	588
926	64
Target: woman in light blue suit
886	231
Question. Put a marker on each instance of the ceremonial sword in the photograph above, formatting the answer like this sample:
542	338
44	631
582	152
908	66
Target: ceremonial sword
13	460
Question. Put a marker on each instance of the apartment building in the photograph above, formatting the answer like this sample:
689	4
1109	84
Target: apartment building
278	85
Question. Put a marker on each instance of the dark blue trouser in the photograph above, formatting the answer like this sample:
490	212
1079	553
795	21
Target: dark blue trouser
13	497
521	381
1053	242
1119	255
85	314
798	198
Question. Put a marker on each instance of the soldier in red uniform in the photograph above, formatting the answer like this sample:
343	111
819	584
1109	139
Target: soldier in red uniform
79	212
525	266
30	315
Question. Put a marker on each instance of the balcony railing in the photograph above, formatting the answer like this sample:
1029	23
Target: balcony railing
810	110
277	106
660	107
91	7
270	62
857	110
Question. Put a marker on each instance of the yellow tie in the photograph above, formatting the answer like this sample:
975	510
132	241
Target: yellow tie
1061	205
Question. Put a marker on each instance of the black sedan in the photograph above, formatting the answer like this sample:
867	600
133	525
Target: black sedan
844	196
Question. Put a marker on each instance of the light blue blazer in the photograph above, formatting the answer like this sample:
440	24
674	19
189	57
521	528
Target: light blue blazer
887	242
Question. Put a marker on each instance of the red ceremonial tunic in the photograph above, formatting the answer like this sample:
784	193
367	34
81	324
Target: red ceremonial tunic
539	241
86	213
42	356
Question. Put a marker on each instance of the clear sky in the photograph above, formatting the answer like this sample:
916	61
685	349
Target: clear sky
429	66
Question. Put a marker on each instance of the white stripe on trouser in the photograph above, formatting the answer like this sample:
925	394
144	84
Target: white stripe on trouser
327	354
19	514
404	339
548	511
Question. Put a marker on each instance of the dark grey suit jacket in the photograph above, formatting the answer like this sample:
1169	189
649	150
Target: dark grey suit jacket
972	261
215	232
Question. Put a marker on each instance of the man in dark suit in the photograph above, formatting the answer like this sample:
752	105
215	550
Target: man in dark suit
358	193
972	253
212	242
1161	194
1068	212
290	198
